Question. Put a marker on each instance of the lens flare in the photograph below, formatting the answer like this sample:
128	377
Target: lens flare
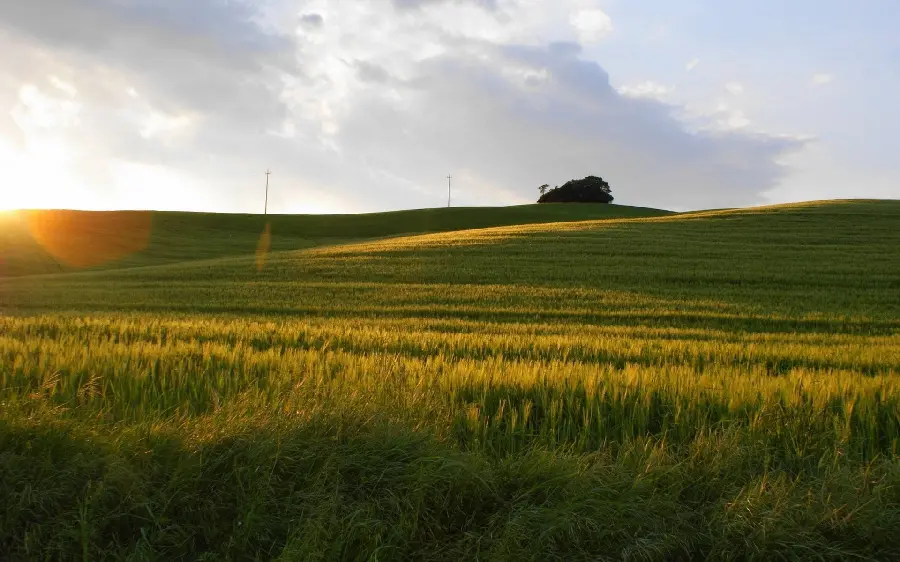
263	247
82	239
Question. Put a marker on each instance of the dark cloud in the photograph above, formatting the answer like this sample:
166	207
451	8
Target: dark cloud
371	73
205	55
312	21
510	130
222	30
558	48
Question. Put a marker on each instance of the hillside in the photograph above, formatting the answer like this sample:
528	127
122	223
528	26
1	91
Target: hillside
837	257
701	386
127	239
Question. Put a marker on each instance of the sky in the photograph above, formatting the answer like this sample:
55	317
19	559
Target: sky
368	105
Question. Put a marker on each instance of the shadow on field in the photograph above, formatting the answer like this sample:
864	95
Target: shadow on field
330	492
308	495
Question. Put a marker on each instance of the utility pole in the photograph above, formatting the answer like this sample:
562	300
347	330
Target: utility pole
448	190
266	208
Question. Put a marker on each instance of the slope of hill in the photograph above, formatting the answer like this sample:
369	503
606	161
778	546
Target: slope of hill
59	241
716	385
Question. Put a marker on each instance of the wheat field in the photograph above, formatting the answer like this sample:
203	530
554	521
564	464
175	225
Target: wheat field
720	385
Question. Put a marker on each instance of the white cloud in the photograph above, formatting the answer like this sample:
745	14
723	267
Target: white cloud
38	110
692	65
591	25
822	79
155	123
647	89
63	86
736	120
734	88
722	116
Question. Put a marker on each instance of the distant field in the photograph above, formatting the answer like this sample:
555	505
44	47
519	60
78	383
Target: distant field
718	385
130	239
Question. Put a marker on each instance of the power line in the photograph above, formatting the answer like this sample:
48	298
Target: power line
266	208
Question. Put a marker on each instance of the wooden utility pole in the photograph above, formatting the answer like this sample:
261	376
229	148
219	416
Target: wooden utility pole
266	208
448	189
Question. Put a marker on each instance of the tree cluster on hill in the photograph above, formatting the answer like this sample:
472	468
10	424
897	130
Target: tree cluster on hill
591	189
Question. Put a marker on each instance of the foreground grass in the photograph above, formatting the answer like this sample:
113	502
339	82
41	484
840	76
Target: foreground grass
708	386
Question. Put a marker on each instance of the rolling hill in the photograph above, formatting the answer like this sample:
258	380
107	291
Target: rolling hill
128	238
713	385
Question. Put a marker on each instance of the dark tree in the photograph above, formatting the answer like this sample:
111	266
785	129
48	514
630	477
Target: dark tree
591	189
543	189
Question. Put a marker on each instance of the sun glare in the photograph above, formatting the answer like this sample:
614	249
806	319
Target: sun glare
36	176
44	176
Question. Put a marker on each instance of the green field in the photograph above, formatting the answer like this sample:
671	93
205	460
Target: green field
622	385
178	237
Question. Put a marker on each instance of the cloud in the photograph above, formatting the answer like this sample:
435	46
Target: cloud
312	21
369	72
371	114
734	88
416	4
647	89
152	69
822	79
508	136
203	59
591	24
62	86
691	65
722	116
